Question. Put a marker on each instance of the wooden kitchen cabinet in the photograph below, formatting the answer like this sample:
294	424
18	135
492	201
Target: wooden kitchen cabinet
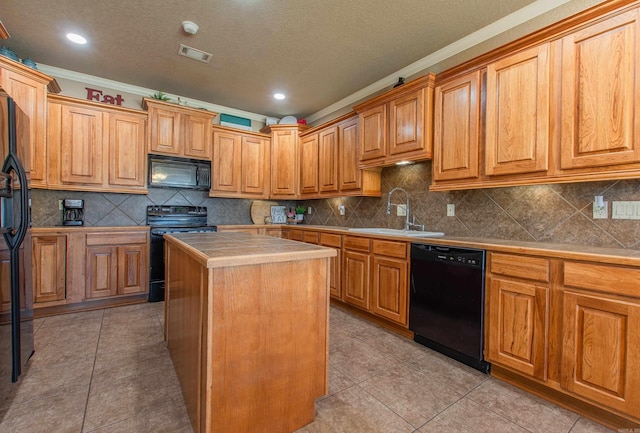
397	125
600	98
600	339
28	88
355	278
285	161
116	263
93	147
309	164
329	162
557	106
176	130
518	312
240	164
456	142
335	264
49	273
517	113
390	281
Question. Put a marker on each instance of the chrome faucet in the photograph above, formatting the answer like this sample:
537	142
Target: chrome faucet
407	224
389	204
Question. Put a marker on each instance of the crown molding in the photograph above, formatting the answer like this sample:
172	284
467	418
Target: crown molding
508	22
143	91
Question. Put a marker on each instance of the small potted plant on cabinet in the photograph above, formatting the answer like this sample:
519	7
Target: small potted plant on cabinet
300	213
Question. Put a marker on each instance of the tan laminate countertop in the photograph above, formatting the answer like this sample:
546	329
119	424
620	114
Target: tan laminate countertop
216	250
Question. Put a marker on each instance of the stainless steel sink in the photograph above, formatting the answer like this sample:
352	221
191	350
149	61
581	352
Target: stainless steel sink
397	232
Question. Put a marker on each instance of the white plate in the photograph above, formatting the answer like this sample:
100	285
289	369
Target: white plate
288	120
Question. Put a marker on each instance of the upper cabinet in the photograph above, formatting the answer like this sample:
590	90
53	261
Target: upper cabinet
600	95
397	125
456	140
285	162
28	88
561	106
240	164
517	124
176	130
93	147
329	162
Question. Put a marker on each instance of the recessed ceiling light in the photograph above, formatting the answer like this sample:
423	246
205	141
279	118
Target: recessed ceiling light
279	96
75	38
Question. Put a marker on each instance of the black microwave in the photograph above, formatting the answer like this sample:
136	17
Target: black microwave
173	172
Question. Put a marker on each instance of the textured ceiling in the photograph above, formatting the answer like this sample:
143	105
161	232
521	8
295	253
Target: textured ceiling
317	52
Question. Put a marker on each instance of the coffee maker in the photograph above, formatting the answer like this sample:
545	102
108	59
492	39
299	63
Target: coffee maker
73	212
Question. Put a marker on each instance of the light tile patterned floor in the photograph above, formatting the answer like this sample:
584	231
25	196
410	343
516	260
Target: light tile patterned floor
108	371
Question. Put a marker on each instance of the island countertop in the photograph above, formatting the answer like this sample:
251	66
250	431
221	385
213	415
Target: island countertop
215	250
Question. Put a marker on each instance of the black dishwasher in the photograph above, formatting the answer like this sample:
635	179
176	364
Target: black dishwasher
446	310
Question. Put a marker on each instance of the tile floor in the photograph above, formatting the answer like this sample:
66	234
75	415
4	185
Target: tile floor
108	371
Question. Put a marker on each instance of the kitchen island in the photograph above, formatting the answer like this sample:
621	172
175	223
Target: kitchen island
246	324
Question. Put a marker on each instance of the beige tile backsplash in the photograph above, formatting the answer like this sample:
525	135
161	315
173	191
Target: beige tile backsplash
558	213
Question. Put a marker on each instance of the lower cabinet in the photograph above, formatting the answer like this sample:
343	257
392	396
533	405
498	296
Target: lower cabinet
81	264
116	264
375	277
567	327
518	305
334	241
49	270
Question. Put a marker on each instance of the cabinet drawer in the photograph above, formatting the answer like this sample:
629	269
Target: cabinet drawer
311	237
613	279
390	248
530	268
117	238
295	235
330	240
358	244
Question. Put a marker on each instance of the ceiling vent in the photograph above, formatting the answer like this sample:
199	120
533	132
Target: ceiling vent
194	54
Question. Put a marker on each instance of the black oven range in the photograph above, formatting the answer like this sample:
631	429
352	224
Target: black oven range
170	219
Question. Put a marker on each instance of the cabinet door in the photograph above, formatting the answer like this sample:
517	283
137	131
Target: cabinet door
101	271
127	150
31	96
81	146
197	136
517	326
355	282
517	119
132	269
226	162
328	160
373	136
390	288
457	129
600	97
348	150
284	164
255	167
164	131
600	351
309	164
49	268
335	288
406	121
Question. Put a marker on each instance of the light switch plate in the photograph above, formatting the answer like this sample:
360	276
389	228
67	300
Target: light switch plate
625	210
401	209
451	209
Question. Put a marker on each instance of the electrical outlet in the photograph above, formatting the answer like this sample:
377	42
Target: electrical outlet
59	204
451	209
600	212
341	209
309	210
401	210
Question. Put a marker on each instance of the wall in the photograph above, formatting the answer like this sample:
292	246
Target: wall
547	213
107	209
558	213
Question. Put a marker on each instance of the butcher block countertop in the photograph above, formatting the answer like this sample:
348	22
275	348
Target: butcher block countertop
216	250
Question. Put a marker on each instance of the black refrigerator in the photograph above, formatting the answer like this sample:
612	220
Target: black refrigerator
16	299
